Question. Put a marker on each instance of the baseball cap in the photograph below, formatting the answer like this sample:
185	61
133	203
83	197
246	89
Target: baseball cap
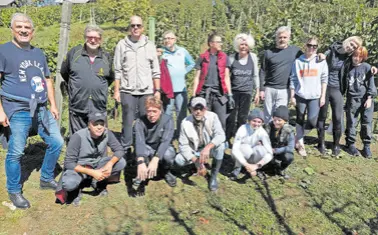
198	101
97	116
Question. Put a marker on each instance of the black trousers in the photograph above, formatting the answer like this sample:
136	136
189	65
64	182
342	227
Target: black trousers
335	98
217	104
78	121
132	108
354	109
239	114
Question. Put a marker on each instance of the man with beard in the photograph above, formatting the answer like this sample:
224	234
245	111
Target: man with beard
153	136
137	75
88	71
201	136
275	72
26	87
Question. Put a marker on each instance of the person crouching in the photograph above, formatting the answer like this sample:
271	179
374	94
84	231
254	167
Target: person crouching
153	136
201	136
87	159
251	148
282	138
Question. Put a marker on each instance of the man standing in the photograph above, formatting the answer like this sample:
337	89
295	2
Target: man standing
179	63
26	87
275	72
201	135
87	158
137	75
153	136
212	79
88	71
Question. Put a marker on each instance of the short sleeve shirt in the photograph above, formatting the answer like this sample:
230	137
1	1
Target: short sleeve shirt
24	75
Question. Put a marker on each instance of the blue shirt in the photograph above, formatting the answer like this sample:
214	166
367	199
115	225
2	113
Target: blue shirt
24	75
179	63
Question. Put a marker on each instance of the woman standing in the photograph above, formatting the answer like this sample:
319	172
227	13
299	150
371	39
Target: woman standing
308	83
339	61
244	76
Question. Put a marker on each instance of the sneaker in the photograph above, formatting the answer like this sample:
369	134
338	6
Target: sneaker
76	201
103	192
353	150
48	185
283	174
301	150
170	179
234	174
19	201
366	151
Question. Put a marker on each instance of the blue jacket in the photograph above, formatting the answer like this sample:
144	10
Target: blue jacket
179	63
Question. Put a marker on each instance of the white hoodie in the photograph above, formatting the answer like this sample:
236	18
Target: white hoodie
252	137
307	76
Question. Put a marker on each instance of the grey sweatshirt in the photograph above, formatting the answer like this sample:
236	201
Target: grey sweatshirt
307	77
136	64
84	150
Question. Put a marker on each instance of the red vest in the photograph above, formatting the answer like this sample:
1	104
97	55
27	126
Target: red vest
222	64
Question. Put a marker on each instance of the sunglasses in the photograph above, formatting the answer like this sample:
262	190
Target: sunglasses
312	46
198	107
136	25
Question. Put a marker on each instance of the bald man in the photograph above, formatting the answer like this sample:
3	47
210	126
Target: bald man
137	75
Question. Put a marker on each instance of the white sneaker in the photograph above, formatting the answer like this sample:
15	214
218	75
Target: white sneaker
301	151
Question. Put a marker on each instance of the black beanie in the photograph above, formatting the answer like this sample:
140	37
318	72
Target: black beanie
255	113
282	112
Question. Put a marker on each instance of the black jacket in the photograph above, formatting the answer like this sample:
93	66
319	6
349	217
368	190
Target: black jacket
333	53
156	135
87	81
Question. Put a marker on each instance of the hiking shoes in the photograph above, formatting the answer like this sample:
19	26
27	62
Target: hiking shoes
48	185
366	152
19	201
353	150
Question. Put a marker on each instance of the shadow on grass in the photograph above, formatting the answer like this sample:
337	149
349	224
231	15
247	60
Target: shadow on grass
267	196
319	204
219	208
180	221
33	159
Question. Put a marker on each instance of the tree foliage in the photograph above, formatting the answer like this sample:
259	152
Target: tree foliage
193	20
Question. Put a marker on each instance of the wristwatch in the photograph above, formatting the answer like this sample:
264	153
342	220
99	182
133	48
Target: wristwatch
140	162
259	166
159	90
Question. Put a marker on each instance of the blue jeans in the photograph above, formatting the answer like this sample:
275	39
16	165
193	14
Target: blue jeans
180	101
20	125
216	152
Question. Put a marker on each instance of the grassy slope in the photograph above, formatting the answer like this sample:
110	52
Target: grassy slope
340	197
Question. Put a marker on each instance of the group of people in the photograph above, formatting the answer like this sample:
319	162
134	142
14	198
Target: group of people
150	83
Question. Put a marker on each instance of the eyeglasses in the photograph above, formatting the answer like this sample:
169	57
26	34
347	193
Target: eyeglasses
312	46
136	25
219	42
169	38
90	38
